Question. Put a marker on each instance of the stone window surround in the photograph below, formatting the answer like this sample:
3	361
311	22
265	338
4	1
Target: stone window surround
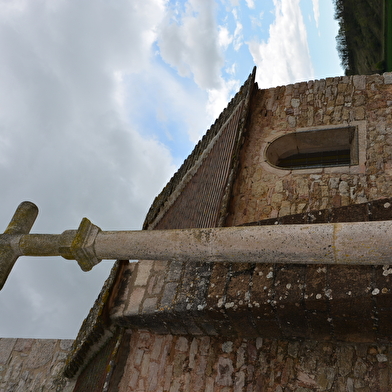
353	169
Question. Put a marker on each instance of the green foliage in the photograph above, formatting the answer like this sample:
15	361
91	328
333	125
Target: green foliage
380	66
360	37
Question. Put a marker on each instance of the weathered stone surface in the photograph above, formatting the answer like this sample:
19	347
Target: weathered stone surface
351	186
142	272
7	345
247	311
312	302
31	365
199	364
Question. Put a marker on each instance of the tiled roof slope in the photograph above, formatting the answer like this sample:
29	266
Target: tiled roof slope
228	123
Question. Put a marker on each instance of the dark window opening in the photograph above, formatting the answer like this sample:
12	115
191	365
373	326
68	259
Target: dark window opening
312	149
316	159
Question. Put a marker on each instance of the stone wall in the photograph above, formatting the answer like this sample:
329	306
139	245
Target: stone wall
262	191
326	303
225	327
317	302
30	365
213	297
167	363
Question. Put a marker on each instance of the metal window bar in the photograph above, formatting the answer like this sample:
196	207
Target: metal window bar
316	159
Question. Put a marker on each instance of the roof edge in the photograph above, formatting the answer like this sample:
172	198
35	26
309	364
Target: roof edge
194	156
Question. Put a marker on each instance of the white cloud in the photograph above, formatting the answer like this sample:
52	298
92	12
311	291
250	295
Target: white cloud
256	21
170	101
232	69
316	11
190	43
67	144
193	44
285	57
224	37
250	4
120	93
218	98
237	36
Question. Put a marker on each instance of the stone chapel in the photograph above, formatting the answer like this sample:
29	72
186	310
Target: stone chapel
315	152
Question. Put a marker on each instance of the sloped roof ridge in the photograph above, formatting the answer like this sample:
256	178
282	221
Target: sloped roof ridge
94	332
191	160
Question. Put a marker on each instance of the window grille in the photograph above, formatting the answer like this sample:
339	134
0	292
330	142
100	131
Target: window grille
313	149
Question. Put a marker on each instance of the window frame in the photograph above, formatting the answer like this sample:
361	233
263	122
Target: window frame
358	155
314	143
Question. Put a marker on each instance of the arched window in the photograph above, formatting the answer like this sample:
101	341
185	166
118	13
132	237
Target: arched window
310	149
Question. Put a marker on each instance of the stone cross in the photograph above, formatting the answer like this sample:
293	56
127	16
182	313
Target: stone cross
327	243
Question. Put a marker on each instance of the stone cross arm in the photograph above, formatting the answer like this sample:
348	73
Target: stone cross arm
328	243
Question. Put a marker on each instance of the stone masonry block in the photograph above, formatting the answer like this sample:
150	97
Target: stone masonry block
156	284
241	365
41	353
6	347
290	284
135	300
316	285
353	329
289	295
384	323
349	292
359	82
320	325
388	77
238	289
24	345
352	213
169	294
192	326
143	271
242	321
382	288
174	271
263	290
217	287
150	305
380	210
160	265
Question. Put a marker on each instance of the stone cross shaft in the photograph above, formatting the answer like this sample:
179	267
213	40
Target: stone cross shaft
327	243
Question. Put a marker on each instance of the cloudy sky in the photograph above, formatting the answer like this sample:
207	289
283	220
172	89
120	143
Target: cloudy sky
101	101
